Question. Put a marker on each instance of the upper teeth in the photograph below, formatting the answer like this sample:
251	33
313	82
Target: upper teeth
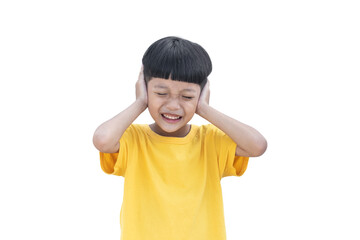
171	117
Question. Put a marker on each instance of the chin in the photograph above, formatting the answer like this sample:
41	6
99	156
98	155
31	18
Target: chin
171	128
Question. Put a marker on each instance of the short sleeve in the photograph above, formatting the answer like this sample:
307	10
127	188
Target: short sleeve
116	163
229	163
235	166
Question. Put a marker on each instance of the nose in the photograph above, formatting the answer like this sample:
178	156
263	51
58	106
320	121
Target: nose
173	104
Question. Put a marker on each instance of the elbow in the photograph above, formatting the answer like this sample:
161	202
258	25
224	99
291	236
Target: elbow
260	147
101	142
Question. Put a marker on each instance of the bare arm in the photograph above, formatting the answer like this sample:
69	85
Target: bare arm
250	142
107	135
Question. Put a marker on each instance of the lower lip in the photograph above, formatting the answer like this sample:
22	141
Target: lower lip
171	120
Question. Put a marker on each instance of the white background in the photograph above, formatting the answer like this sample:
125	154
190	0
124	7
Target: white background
287	68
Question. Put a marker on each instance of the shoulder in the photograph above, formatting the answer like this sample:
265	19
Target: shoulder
211	133
135	131
210	129
137	127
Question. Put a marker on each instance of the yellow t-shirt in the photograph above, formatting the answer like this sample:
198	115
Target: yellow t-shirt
172	185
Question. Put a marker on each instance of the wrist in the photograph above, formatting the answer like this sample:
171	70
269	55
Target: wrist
203	110
142	104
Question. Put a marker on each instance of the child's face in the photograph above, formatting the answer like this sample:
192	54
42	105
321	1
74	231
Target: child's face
172	104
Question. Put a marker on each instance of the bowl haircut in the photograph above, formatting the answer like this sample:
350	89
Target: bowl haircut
178	59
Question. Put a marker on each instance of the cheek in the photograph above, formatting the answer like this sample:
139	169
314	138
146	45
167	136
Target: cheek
153	104
191	107
153	110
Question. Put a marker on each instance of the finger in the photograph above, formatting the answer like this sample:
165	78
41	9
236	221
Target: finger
141	74
207	85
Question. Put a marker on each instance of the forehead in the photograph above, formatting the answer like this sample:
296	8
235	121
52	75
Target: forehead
167	84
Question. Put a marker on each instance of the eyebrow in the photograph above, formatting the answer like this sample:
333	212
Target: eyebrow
160	86
186	89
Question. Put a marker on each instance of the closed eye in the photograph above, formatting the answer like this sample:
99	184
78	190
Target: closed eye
161	94
188	97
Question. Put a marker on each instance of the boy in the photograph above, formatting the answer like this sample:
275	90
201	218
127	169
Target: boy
173	169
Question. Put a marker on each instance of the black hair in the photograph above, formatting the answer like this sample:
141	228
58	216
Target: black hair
178	59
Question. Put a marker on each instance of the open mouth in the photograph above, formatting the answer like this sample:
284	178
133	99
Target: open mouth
171	117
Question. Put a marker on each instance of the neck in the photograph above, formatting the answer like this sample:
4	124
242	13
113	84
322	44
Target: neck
182	132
